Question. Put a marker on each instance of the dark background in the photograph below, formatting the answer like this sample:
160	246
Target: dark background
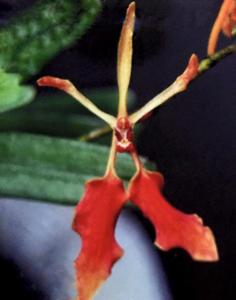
191	138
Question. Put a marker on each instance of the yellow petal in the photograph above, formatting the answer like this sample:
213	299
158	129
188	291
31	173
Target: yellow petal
69	88
125	50
179	85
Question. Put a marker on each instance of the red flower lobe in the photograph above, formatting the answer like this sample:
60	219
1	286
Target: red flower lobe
173	227
95	219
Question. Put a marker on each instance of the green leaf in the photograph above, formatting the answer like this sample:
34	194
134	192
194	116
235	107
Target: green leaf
41	184
38	34
56	124
52	169
12	94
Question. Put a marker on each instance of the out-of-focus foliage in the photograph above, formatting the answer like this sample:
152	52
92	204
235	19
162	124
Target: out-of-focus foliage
34	37
12	94
52	169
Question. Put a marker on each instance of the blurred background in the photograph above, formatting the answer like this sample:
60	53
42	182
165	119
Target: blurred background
191	139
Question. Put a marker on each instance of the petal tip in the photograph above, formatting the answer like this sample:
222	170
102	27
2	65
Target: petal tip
131	7
207	248
51	81
130	16
129	19
201	246
42	81
88	281
208	253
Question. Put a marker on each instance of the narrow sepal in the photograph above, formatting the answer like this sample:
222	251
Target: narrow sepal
66	86
95	219
173	227
124	59
178	86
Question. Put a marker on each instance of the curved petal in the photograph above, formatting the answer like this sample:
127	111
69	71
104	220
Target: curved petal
66	86
173	227
225	21
179	85
230	21
95	219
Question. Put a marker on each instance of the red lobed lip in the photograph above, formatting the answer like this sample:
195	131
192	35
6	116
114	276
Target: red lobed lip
173	227
96	224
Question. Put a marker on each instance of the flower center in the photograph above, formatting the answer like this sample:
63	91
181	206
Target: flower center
124	135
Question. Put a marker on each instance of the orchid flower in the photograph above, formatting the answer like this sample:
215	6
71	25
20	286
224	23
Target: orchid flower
225	21
97	212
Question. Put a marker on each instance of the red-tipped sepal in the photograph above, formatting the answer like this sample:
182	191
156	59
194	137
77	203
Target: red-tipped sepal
173	227
62	84
190	72
66	86
95	219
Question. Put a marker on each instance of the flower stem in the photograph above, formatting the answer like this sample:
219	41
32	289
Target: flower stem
96	133
110	169
212	60
137	161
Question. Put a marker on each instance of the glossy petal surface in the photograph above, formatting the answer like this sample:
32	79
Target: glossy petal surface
173	227
95	219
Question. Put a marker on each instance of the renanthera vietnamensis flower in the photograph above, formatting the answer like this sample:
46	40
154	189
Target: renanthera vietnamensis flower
225	21
98	210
